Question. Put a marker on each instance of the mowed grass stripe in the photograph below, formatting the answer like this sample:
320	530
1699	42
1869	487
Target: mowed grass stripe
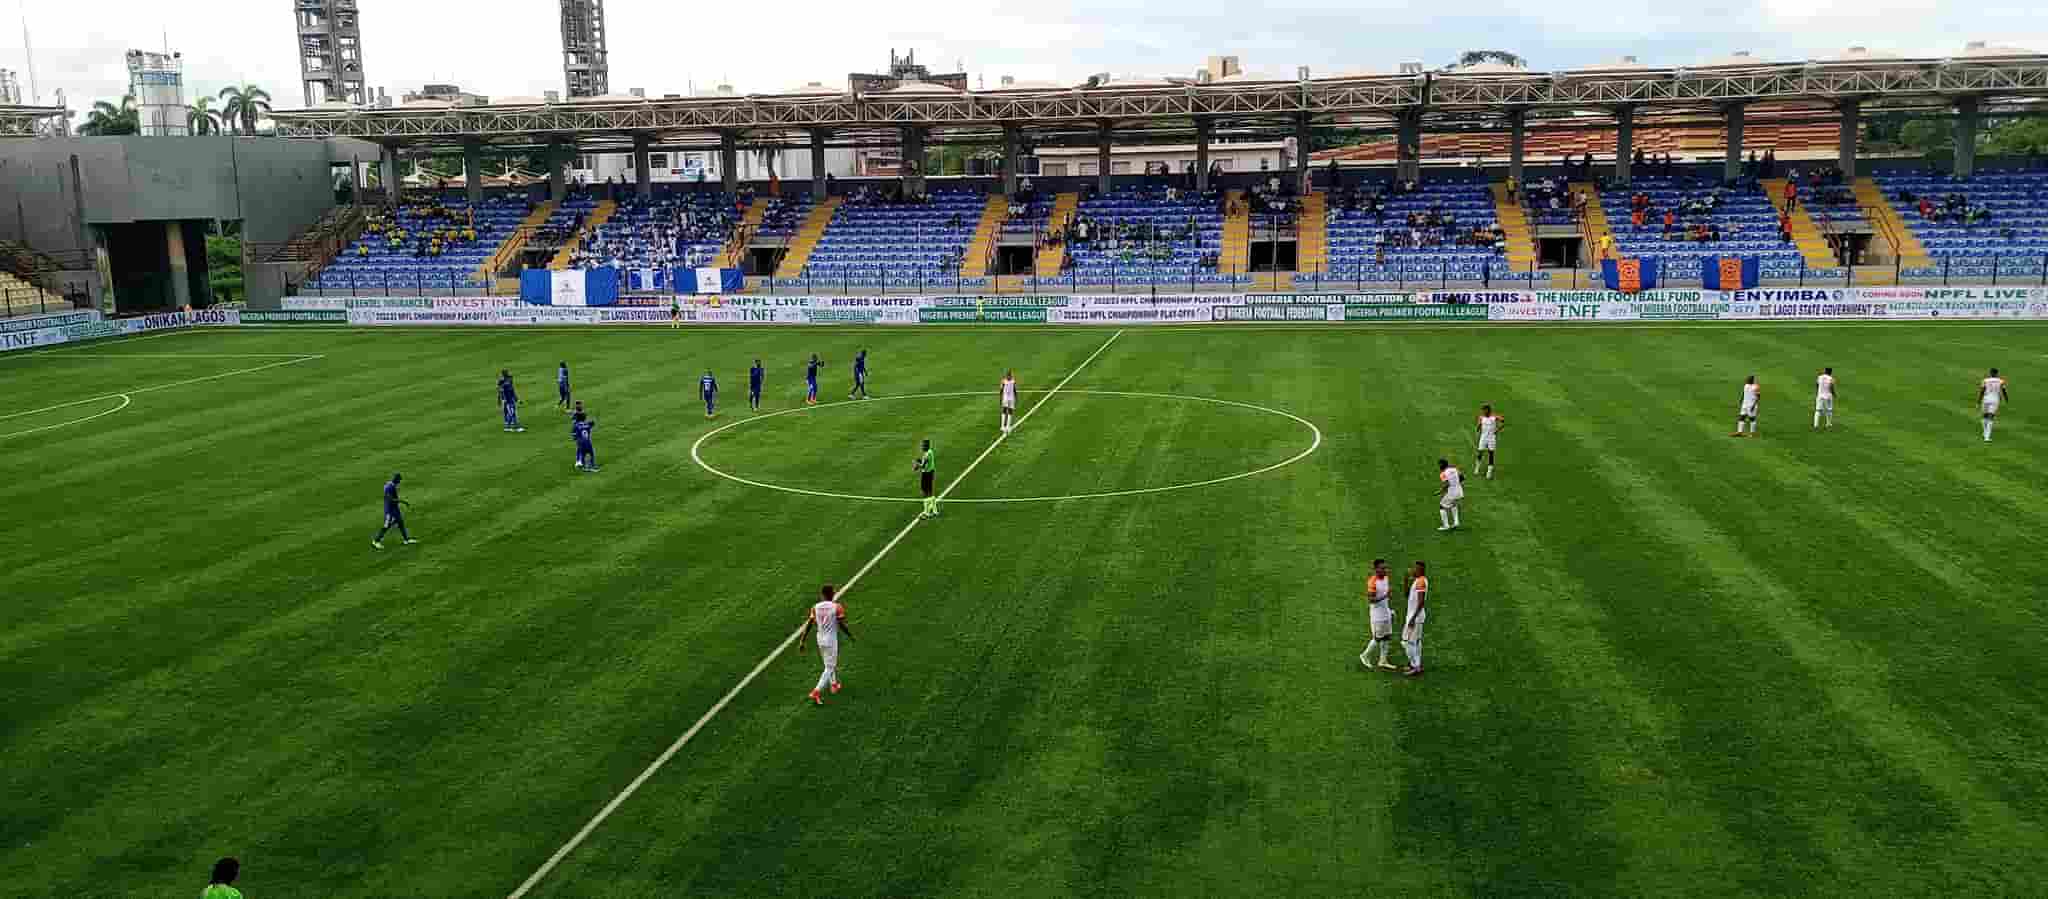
1914	792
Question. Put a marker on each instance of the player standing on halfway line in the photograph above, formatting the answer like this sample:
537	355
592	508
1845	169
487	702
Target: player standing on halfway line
1411	630
1824	398
828	618
562	385
394	517
1009	394
860	375
508	401
1991	393
811	380
1489	432
1451	492
927	467
1380	614
755	376
580	426
707	386
1745	416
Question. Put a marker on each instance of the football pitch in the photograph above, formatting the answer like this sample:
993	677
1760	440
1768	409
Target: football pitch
1122	662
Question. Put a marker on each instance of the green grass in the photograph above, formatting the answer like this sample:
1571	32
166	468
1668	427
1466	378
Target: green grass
1661	661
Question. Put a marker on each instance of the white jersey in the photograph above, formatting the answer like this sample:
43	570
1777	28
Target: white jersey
1417	611
1749	395
1381	618
1454	483
1009	394
1824	387
825	618
1489	430
1994	392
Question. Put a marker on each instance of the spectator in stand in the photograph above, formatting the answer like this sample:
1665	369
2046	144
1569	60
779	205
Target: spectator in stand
1670	222
1792	192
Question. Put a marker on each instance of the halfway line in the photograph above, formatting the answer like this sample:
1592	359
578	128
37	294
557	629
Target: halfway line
661	760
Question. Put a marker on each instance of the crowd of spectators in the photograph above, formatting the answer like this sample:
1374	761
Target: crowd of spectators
1690	218
662	233
423	228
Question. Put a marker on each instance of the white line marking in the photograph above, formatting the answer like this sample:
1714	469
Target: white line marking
1314	444
153	387
661	760
96	343
124	404
180	355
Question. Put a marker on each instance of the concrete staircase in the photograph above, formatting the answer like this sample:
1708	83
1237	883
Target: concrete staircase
598	216
987	230
1891	226
1236	253
735	249
509	250
1595	226
1052	259
1521	236
807	237
19	297
1312	234
1805	234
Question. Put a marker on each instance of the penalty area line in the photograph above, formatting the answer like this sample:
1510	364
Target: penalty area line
589	827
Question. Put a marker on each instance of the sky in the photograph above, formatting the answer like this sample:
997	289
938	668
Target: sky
512	47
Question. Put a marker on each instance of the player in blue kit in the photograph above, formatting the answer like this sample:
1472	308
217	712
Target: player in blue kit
811	380
580	426
860	375
562	385
755	376
708	386
394	517
508	401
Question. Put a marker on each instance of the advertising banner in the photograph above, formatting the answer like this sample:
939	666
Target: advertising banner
91	330
1270	312
1474	296
1366	298
1415	312
996	314
304	303
50	320
1177	313
375	316
296	317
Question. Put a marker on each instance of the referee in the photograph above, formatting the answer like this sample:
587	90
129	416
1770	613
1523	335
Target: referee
928	471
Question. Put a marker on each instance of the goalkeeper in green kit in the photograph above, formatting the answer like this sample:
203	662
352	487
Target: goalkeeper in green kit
927	472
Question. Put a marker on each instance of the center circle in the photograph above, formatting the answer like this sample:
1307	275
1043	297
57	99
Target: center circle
1315	442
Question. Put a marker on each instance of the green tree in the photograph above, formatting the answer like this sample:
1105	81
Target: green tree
201	118
107	118
224	267
1475	57
243	106
2014	137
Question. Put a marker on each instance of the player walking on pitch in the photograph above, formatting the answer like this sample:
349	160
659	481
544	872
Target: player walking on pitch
1745	416
1991	393
828	619
1824	398
755	376
1489	434
508	401
707	387
562	386
580	426
1411	630
1378	590
927	468
1450	491
811	380
1009	394
860	375
394	517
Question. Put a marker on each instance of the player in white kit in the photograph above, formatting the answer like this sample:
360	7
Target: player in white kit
1824	398
1411	630
828	619
1745	417
1451	490
1489	432
1991	393
1009	400
1380	614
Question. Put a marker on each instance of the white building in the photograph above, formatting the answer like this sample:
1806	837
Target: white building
1251	156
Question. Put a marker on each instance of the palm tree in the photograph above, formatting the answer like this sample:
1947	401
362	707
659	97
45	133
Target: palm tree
1475	57
107	118
244	105
201	118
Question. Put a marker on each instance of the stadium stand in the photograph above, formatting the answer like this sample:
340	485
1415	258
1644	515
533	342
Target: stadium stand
663	231
427	243
1434	230
872	243
1144	235
1993	225
1706	220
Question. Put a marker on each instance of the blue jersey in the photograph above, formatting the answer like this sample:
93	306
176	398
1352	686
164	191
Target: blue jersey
505	393
581	430
391	497
707	385
860	363
562	376
754	377
811	372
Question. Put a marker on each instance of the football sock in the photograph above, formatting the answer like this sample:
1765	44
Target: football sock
1445	515
1454	517
1987	428
1816	419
